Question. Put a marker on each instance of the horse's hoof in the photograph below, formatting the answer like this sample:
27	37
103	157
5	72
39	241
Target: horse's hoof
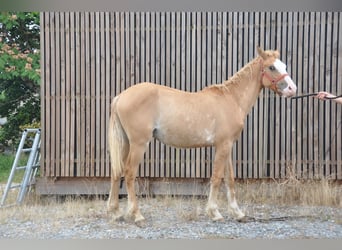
140	223
218	219
245	219
118	218
214	214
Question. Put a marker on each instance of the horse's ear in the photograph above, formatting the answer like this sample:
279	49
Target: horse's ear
261	53
276	54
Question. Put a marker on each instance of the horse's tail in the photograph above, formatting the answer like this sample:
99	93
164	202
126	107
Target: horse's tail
116	141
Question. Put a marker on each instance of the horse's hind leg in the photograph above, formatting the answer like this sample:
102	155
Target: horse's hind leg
113	200
135	155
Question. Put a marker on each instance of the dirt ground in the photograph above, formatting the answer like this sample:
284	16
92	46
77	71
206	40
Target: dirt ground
166	218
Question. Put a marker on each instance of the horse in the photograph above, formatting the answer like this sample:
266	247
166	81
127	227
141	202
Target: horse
213	116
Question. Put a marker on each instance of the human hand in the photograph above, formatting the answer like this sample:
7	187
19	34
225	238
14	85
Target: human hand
322	95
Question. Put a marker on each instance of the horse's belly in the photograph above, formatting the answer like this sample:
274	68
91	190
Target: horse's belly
185	139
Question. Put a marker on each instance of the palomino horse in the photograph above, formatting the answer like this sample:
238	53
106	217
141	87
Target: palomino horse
213	116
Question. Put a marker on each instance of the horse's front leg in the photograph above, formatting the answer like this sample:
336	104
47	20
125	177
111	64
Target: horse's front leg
215	182
229	183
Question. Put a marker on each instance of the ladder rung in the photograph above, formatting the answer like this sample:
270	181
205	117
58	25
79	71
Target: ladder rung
8	205
20	168
15	186
26	150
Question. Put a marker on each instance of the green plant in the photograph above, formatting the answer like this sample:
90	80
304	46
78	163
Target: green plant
6	162
19	72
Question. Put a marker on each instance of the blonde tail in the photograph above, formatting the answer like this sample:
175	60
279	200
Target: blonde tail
116	141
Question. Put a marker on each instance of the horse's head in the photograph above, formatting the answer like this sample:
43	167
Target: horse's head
274	75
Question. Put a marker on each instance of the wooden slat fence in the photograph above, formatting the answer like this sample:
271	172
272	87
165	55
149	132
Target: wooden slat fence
88	58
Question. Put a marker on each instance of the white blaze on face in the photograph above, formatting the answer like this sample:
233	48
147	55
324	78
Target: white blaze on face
291	88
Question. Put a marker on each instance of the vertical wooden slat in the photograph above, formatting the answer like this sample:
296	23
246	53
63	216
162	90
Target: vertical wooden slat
84	96
65	23
160	161
277	101
102	34
304	69
57	95
286	163
73	149
204	81
93	94
97	94
297	168
44	69
108	82
338	74
310	59
78	94
193	86
87	88
51	99
318	58
327	75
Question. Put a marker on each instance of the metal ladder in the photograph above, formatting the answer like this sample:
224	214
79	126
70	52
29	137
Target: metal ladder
31	167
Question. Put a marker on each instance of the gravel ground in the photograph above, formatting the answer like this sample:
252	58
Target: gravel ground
167	218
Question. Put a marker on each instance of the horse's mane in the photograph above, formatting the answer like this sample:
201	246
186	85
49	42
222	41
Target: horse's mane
233	81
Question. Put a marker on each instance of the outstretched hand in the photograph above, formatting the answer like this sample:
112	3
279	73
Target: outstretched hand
322	95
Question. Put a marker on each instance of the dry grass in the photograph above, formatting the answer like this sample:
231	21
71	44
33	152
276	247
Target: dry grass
289	192
292	192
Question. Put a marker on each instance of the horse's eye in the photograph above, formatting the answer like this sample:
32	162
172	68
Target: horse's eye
272	68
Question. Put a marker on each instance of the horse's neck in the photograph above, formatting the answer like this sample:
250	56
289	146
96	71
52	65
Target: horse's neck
245	85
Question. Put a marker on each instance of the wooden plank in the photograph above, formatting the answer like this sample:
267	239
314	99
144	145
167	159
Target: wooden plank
101	186
87	89
286	157
97	94
93	94
320	129
328	107
83	94
277	101
103	122
197	23
191	156
67	116
333	113
73	148
306	68
67	95
257	136
339	91
213	32
107	88
57	95
323	85
78	94
160	159
202	67
297	170
248	135
312	79
53	96
43	93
